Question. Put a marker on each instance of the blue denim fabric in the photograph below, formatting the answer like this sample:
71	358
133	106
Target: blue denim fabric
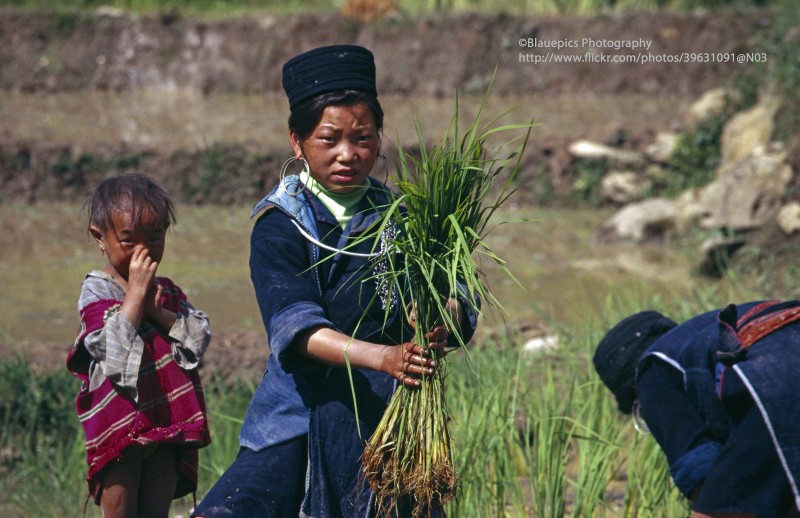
264	484
693	467
299	287
747	476
297	291
770	373
698	419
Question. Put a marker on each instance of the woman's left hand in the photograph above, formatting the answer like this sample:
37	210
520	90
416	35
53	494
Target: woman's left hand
453	308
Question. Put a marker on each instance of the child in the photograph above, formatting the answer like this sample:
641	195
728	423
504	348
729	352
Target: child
141	403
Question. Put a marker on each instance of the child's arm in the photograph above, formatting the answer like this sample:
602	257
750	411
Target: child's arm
190	333
113	342
188	329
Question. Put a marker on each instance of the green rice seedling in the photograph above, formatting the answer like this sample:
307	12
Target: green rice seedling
50	480
597	443
650	490
441	216
546	441
227	404
484	405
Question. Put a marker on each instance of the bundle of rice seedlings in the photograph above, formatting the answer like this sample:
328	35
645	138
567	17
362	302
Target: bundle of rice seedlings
441	219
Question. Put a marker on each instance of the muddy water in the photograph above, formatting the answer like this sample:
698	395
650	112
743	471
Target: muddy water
44	253
170	119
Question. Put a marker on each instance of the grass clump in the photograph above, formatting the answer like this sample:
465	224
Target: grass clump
441	217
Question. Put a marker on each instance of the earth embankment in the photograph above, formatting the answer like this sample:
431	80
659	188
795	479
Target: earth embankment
419	60
423	56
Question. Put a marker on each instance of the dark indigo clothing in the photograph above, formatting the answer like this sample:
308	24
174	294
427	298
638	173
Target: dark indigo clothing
260	484
704	415
300	286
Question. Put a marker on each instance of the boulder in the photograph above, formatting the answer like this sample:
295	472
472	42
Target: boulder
648	220
788	218
689	209
747	130
663	147
711	104
748	192
624	187
588	150
540	343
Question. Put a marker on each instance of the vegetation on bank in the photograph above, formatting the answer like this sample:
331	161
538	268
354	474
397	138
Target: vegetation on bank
238	7
536	433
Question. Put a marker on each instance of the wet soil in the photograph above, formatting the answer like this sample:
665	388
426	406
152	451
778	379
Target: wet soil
197	104
164	75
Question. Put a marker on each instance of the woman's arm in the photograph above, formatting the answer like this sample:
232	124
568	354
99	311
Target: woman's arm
406	362
677	425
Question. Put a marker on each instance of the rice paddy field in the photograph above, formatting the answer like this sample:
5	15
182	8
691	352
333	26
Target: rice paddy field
534	431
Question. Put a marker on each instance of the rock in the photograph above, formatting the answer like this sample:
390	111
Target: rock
663	147
541	343
648	220
623	187
717	252
788	218
689	209
710	104
110	11
748	192
748	130
588	150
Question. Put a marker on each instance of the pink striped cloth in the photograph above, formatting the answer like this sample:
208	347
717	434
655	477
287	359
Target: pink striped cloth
171	407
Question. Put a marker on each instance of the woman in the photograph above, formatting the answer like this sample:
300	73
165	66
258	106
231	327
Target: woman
339	343
719	393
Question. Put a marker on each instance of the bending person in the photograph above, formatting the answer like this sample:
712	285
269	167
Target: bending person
720	396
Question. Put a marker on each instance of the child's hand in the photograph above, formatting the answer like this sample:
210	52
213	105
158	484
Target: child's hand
141	271
152	301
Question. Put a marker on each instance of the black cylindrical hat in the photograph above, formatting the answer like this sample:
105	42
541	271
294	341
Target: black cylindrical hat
618	353
325	69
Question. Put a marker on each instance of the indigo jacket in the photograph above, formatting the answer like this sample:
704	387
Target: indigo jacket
299	286
690	352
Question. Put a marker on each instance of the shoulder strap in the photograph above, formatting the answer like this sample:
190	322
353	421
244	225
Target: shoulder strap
766	318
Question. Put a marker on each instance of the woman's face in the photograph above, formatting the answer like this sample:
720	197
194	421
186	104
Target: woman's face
342	148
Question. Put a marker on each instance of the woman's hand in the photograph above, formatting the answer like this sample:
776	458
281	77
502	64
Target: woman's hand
409	363
453	308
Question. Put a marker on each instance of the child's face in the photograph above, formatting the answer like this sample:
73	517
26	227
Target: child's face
124	236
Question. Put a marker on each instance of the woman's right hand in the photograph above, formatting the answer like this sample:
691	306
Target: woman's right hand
409	363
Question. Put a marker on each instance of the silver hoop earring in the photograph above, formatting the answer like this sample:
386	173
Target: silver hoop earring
638	422
282	176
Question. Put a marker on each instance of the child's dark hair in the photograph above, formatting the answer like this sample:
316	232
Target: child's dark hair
305	117
133	192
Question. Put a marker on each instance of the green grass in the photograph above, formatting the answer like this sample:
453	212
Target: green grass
533	434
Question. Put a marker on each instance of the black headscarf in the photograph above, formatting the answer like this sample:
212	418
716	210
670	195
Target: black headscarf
618	353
